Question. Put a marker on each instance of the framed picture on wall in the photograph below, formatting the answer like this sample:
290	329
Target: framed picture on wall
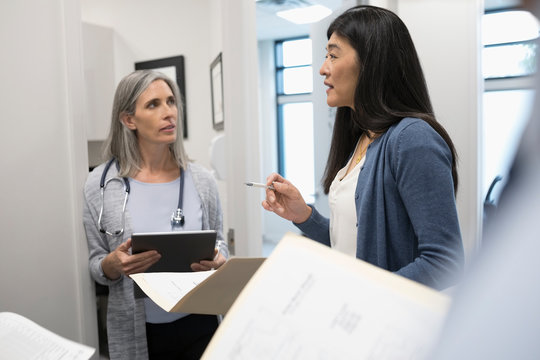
173	67
216	82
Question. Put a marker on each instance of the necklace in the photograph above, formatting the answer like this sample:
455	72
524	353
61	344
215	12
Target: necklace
365	147
361	156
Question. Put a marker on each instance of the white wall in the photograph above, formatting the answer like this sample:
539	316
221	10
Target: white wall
242	126
99	79
42	272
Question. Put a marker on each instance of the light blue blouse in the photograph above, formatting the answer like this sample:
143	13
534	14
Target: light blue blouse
151	206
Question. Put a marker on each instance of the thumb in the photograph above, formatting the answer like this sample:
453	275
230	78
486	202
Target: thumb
125	245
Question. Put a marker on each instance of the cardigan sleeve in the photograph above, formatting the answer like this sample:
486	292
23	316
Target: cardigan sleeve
423	173
98	246
316	227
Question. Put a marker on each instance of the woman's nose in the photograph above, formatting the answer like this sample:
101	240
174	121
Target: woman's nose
170	110
324	69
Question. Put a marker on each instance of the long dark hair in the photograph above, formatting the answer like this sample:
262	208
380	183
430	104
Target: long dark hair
391	84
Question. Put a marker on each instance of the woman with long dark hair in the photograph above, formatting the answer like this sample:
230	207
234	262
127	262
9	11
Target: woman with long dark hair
391	174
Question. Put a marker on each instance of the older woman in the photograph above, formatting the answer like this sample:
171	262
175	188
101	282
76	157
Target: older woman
146	154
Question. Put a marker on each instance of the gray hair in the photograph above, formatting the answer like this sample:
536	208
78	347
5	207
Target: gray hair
122	142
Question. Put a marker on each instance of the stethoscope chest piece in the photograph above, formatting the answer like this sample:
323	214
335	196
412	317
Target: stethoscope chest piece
177	218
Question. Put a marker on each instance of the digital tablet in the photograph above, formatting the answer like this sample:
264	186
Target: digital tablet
178	249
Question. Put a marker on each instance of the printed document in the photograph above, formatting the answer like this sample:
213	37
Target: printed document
166	288
308	301
21	338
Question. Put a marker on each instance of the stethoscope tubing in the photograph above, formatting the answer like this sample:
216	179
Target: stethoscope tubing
177	218
102	184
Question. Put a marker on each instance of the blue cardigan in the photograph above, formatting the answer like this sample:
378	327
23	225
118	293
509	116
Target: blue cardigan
406	212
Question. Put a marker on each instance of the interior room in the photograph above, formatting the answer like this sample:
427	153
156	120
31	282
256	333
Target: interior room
247	114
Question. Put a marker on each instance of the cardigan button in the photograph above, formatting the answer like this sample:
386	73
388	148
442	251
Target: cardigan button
356	196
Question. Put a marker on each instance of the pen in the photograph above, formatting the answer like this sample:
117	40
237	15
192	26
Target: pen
259	185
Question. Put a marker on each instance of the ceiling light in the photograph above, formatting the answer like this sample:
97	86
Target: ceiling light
305	15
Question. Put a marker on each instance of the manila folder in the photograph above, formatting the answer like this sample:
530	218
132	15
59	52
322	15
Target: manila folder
209	292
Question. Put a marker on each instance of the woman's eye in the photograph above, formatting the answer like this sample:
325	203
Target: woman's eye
171	101
152	104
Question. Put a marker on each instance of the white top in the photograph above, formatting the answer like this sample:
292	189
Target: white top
343	229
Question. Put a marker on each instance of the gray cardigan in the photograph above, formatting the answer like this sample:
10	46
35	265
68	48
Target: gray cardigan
406	212
125	316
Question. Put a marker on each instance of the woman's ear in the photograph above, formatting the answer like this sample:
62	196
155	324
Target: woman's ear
127	120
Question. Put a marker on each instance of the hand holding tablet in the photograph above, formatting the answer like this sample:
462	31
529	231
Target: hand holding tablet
178	249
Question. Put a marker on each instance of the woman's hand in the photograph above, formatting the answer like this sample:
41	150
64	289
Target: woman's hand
121	262
205	265
286	201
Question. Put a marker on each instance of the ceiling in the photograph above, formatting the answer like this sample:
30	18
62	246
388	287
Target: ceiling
270	26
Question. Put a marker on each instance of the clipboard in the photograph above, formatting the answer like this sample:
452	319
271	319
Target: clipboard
178	250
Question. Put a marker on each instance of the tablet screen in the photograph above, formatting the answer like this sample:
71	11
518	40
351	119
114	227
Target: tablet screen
178	249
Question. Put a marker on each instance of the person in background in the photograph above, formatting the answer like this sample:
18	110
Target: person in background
391	173
495	312
145	152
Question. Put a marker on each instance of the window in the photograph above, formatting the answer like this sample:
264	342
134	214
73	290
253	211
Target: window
294	84
509	44
509	60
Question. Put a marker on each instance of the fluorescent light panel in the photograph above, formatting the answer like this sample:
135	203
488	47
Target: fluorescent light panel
305	15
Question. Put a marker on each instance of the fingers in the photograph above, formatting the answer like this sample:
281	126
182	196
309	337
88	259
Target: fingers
200	267
266	205
139	267
274	177
205	265
137	263
277	199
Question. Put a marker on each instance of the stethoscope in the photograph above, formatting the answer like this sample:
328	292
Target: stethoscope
177	217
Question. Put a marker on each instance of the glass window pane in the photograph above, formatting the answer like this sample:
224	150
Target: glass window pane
297	52
509	60
297	80
505	115
297	128
509	26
